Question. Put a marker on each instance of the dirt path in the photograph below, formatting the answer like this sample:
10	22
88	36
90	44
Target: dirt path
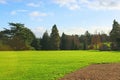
96	72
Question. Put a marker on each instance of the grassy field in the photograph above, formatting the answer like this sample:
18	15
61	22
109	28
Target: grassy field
48	65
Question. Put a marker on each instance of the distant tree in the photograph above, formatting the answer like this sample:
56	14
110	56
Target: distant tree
104	47
115	36
82	41
67	42
17	43
88	37
87	40
3	37
3	42
75	42
36	44
54	38
104	38
96	41
19	37
70	42
45	41
63	42
19	29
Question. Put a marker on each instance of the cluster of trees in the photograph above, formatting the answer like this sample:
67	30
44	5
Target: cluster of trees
84	42
19	37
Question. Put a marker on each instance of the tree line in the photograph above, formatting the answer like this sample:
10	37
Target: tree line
19	37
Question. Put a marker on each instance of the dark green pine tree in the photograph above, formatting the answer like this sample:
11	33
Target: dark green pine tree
63	42
45	41
54	38
36	44
87	40
115	36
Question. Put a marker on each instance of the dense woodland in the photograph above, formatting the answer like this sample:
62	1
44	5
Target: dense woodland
19	37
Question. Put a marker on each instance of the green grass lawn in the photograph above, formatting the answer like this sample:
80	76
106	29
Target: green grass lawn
48	65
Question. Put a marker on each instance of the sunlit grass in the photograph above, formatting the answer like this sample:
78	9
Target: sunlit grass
48	65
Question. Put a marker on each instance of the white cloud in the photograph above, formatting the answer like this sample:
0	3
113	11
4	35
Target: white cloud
37	14
33	4
92	4
3	1
14	12
71	4
74	7
103	5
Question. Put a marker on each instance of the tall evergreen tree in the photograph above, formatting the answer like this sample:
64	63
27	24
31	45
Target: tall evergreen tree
63	42
87	40
70	42
115	36
36	44
54	38
45	41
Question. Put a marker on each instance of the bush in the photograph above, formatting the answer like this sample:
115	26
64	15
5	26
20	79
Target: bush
104	47
91	47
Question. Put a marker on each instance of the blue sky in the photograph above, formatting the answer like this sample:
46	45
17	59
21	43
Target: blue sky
70	16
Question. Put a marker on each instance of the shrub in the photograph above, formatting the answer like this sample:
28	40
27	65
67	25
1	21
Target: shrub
91	47
104	47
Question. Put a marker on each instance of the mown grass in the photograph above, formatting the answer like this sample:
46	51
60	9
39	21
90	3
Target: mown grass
49	65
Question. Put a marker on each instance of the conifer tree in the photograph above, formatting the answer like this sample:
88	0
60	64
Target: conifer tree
45	41
54	38
115	36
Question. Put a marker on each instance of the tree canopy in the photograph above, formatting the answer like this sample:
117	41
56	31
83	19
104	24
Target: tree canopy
115	36
19	37
54	38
